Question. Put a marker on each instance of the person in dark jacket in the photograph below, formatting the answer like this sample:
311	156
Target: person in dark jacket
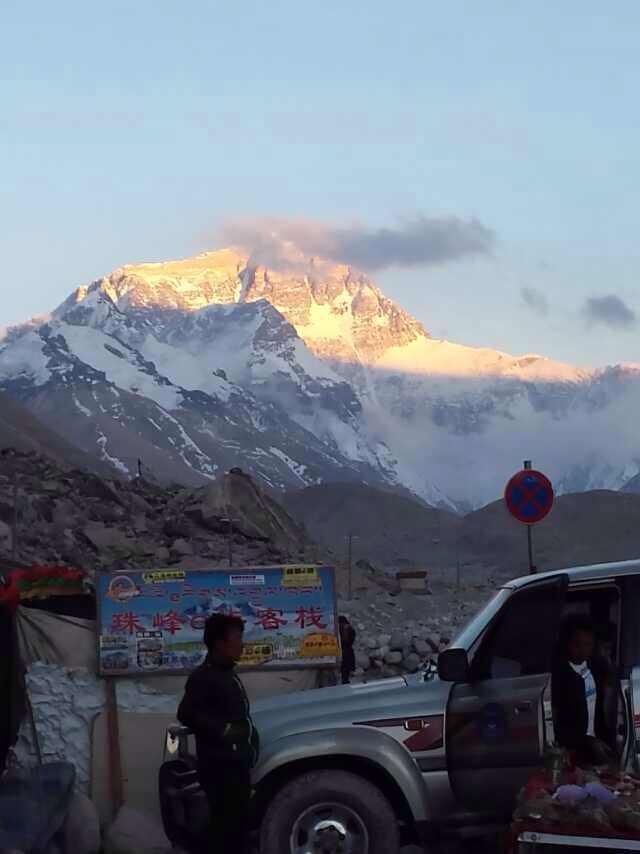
215	706
347	640
577	693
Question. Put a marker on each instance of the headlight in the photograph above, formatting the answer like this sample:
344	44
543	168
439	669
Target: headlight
172	744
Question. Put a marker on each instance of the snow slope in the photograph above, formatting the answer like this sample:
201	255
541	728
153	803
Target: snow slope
310	374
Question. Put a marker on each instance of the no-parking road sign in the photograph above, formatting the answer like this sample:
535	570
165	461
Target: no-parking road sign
529	496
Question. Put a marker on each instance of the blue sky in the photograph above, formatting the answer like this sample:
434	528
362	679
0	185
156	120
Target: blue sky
130	131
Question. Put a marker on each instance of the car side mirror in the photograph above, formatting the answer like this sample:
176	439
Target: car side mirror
453	666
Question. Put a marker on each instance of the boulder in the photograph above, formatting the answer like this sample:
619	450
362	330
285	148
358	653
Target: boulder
91	486
411	662
390	671
177	527
370	643
102	537
140	525
421	647
6	538
139	503
255	513
433	645
363	660
134	833
80	832
111	514
64	514
397	641
182	547
393	658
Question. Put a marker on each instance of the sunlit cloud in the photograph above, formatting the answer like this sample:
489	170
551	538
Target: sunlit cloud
610	310
417	242
535	301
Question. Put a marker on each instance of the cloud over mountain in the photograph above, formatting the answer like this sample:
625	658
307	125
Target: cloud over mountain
283	242
535	300
610	310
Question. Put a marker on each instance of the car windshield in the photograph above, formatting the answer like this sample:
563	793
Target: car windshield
477	623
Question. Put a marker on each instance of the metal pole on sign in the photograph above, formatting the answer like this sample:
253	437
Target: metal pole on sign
532	569
115	752
230	520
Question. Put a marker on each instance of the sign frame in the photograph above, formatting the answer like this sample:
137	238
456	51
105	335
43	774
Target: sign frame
173	572
517	481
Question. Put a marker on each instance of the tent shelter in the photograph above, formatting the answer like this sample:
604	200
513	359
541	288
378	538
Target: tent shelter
11	693
111	730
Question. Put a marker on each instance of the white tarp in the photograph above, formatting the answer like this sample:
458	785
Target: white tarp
55	639
68	700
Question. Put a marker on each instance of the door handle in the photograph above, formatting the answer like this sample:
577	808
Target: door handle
523	707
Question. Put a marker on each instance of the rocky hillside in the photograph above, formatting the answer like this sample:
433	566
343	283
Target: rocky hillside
21	430
388	529
78	518
398	532
583	528
306	375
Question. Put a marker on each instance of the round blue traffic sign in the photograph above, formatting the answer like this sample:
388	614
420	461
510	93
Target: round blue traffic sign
529	496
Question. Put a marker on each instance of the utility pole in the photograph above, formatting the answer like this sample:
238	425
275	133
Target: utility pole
350	538
228	518
139	468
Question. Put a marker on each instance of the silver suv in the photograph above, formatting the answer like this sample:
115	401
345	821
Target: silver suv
366	768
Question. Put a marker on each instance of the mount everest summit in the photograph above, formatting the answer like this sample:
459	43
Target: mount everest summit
308	375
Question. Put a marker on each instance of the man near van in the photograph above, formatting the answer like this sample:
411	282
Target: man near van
576	693
347	640
215	706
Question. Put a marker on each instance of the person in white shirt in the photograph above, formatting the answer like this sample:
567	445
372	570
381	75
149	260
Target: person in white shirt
576	693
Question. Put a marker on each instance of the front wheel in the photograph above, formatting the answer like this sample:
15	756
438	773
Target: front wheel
329	812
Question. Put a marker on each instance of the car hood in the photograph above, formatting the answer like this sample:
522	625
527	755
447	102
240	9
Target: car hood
343	705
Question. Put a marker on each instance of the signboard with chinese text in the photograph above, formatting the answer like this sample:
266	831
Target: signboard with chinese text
152	621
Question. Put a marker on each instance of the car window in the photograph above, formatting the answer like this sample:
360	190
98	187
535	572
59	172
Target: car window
474	628
522	640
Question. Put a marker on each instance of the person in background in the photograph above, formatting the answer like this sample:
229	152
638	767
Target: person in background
347	640
576	693
215	706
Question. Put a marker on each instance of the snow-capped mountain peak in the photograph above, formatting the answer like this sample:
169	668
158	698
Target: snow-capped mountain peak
308	373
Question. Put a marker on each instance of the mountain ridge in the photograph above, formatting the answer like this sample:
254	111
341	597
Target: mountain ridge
305	375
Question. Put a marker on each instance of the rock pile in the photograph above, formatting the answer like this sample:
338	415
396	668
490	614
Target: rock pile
399	632
78	518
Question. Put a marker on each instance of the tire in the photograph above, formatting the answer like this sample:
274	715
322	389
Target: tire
303	817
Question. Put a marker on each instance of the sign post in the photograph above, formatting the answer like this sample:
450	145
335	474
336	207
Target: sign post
529	498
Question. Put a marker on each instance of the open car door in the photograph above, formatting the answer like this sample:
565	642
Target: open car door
495	723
